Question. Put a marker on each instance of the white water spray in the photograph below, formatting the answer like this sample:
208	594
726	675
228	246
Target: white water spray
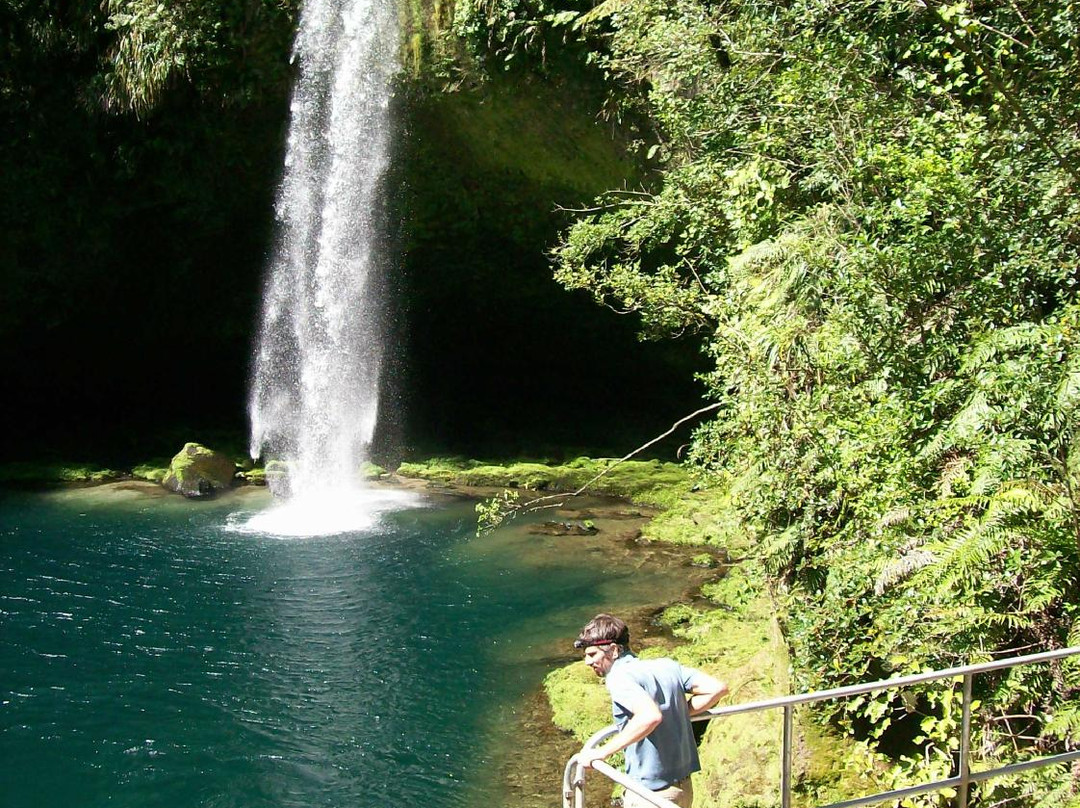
315	385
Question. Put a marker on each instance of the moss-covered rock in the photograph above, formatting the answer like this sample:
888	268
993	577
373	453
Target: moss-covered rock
253	476
197	471
741	643
276	474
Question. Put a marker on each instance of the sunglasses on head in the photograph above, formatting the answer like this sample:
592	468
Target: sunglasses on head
587	643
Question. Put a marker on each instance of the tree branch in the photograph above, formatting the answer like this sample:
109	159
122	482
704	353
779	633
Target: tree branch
493	514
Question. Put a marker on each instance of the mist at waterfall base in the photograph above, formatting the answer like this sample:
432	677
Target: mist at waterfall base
152	656
328	511
315	382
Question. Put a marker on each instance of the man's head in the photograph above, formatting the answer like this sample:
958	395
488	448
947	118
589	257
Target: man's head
604	639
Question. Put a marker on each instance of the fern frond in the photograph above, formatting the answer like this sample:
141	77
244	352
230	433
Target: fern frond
969	551
897	516
599	12
1067	394
1001	341
954	470
749	478
968	422
1065	722
761	256
1037	595
779	549
900	569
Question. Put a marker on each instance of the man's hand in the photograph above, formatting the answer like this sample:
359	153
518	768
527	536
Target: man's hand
586	757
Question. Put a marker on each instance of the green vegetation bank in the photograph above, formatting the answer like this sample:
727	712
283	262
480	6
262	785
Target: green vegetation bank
867	214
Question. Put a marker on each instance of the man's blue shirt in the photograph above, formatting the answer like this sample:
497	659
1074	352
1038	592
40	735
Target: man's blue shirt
668	755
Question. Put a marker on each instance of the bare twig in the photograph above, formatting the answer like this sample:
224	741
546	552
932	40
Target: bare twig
548	502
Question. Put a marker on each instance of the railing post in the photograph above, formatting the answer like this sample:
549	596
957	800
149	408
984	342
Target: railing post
573	795
785	764
965	744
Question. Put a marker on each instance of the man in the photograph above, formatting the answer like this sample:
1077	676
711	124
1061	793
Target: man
652	701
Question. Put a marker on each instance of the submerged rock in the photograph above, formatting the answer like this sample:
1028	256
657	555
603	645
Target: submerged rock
199	472
575	528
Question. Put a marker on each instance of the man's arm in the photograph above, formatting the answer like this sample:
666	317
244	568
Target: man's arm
705	692
645	717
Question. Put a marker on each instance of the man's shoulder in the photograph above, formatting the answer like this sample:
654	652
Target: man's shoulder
657	664
637	669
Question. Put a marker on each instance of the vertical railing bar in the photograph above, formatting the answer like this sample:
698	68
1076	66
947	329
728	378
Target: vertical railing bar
567	782
965	744
785	770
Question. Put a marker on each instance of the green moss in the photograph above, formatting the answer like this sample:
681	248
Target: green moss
579	703
44	473
530	128
649	482
197	470
275	471
698	517
579	700
428	47
824	765
744	647
153	471
253	476
370	471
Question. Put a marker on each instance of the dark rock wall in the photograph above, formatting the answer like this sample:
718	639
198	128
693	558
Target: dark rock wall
500	358
131	267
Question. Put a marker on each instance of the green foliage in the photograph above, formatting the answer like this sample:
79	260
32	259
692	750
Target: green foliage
229	51
20	473
490	513
867	211
154	45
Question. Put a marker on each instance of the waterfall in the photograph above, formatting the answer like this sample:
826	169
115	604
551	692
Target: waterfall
315	381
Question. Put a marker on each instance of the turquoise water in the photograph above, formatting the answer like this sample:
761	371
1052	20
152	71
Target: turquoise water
150	655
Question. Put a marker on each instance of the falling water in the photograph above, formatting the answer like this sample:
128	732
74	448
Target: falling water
315	386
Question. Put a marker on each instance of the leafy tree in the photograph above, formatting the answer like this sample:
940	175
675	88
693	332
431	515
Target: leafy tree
868	212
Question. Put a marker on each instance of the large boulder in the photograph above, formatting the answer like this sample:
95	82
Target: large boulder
199	472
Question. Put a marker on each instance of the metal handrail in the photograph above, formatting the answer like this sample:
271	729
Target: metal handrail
574	773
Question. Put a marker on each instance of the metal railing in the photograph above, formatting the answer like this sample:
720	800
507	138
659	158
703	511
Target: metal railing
574	774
